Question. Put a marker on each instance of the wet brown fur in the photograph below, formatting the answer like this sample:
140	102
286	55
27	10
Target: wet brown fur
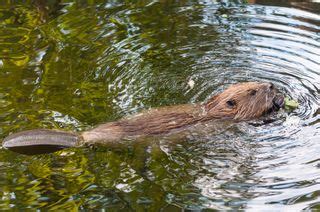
242	101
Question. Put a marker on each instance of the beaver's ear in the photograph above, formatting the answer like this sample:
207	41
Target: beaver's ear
252	92
231	103
211	102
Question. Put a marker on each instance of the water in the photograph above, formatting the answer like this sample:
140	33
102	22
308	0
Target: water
73	65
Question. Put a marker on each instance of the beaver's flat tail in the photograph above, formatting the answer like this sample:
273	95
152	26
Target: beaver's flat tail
40	141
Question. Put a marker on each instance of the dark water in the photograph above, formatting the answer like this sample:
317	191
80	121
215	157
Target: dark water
73	65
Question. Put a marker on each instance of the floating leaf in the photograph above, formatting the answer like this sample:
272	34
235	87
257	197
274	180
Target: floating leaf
290	104
191	83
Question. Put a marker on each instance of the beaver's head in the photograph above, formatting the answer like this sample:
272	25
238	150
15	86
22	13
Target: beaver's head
245	101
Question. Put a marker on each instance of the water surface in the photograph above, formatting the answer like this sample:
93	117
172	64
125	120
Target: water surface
74	64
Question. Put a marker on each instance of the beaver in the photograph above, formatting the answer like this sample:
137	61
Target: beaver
239	102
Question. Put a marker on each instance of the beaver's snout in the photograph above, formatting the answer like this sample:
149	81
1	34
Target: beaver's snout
278	101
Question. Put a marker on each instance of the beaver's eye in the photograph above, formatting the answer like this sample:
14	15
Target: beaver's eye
231	103
252	92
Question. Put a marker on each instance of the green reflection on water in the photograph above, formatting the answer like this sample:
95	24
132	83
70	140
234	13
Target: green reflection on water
72	65
93	63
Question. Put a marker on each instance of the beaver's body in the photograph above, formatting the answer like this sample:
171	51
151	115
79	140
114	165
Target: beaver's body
239	102
152	122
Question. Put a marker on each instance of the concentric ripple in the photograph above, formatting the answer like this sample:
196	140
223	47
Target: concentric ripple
74	65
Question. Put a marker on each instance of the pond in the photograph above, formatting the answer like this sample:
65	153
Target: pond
74	64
